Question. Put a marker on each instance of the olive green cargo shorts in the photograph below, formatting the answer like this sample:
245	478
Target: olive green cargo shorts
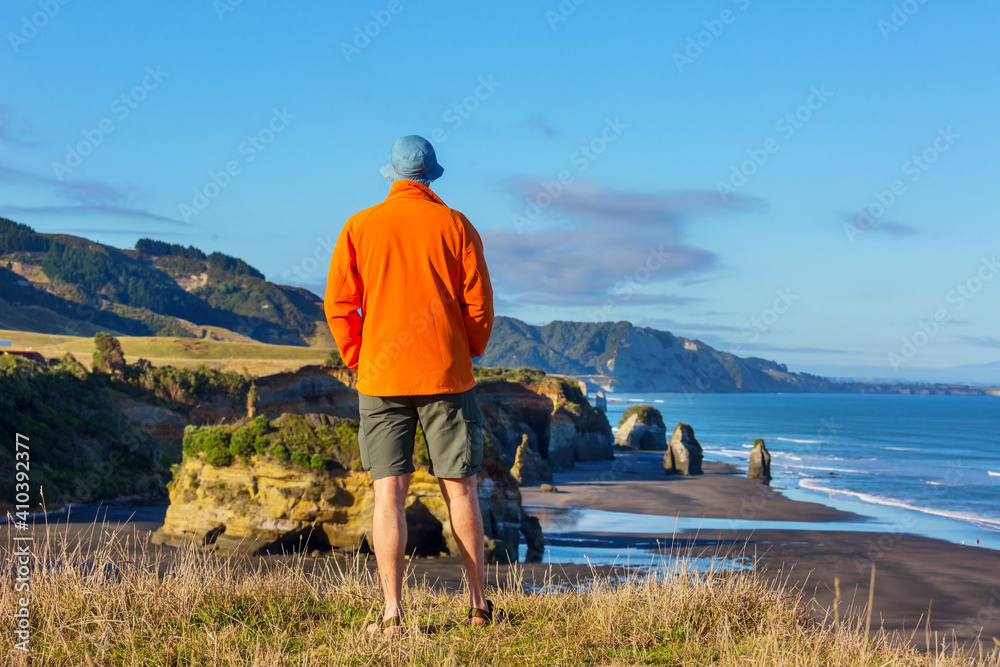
452	425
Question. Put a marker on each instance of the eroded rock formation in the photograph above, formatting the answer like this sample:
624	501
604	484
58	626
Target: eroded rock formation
531	528
760	462
553	412
642	428
529	468
684	454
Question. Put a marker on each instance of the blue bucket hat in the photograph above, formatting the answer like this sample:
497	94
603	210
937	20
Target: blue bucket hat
412	157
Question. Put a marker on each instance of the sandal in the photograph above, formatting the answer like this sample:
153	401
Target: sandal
385	624
488	614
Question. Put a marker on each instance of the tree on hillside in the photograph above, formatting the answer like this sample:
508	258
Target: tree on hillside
163	249
15	236
108	355
233	265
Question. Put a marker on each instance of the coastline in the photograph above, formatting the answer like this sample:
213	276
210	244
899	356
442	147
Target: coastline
959	584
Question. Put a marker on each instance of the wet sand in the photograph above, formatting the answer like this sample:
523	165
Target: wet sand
959	584
635	482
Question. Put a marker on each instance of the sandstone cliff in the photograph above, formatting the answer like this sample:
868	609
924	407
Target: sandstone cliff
317	389
264	486
552	411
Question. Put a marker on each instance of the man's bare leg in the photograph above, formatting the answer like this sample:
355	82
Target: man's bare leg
467	525
389	537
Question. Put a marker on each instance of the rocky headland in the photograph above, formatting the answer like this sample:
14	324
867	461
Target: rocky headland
295	483
279	474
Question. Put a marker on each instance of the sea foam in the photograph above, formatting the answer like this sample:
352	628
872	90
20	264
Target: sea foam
968	517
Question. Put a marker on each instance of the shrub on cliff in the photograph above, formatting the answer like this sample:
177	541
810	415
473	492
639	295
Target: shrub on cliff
242	443
260	425
585	415
213	441
523	375
335	360
279	452
183	385
647	415
315	442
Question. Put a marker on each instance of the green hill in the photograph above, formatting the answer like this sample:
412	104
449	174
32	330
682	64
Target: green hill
58	283
620	356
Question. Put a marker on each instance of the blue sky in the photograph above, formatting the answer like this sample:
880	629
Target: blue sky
713	157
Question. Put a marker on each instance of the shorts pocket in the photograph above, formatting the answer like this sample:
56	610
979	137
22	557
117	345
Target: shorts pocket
366	405
474	446
475	438
362	445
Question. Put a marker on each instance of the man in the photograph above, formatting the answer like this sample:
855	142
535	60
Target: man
415	269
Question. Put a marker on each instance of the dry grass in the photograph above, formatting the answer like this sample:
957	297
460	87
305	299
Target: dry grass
120	604
257	358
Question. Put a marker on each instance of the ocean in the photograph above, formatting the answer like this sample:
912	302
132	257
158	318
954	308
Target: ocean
928	464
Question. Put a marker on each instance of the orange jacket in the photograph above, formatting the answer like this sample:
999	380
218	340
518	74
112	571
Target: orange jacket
416	270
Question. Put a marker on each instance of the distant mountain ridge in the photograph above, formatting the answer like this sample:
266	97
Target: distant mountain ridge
64	284
619	356
59	283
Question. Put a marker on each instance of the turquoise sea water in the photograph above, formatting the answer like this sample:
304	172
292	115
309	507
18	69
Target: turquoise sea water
927	464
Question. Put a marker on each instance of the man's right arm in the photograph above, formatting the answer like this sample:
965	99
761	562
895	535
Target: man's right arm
343	299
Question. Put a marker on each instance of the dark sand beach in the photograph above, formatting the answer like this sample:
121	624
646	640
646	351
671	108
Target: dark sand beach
960	585
635	482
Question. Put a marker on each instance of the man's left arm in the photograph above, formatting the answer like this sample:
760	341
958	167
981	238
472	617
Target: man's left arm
476	298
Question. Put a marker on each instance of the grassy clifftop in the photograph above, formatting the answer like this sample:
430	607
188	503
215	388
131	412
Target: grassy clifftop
199	609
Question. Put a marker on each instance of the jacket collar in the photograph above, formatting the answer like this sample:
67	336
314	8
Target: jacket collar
408	188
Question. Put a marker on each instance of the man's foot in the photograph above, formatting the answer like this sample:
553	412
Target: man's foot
481	616
392	625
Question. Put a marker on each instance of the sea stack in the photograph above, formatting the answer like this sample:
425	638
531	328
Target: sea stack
601	401
684	454
529	468
642	428
531	529
760	462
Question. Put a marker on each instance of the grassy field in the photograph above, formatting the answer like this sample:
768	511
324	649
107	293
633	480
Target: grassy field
257	358
124	606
